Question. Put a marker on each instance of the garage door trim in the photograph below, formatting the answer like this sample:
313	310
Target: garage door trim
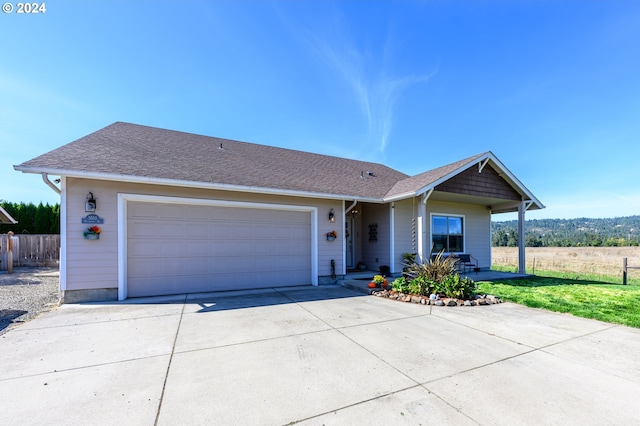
124	199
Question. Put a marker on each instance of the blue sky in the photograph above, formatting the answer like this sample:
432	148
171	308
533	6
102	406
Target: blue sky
551	87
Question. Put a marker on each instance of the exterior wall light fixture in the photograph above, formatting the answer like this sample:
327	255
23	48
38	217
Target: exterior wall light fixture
332	216
90	205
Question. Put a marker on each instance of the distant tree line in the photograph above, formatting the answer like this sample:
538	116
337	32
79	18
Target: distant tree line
32	219
610	232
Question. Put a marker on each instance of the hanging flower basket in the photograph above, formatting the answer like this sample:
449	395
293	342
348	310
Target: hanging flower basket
332	235
92	233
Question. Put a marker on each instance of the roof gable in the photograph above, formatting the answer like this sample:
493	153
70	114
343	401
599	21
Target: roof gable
5	218
499	182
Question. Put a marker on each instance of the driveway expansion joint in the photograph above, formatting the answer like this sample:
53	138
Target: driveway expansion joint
173	349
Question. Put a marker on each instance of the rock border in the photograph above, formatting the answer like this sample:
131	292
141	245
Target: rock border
480	300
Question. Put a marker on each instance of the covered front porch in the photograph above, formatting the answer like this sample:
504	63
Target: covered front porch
446	210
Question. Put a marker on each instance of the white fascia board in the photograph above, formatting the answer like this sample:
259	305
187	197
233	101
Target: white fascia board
199	185
399	197
514	180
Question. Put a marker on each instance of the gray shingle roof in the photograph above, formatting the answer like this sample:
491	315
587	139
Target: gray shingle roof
135	151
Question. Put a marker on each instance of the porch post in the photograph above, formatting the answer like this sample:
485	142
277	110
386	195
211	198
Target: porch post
422	230
522	264
392	238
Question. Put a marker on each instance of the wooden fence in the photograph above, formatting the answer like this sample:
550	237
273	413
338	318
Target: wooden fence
625	270
30	250
605	272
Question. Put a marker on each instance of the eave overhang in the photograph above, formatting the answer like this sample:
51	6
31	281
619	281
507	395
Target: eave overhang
192	184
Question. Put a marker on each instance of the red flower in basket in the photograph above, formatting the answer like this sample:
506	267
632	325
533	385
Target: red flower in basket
92	230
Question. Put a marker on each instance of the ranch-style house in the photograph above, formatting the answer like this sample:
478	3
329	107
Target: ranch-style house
147	211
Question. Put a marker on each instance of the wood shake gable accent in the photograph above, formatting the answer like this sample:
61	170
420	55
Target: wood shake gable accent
488	183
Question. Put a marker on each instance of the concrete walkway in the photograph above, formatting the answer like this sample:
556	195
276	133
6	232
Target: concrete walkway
316	356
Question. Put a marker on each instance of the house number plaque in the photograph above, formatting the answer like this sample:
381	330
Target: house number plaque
93	219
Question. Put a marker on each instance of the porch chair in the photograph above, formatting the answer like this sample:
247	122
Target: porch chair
467	261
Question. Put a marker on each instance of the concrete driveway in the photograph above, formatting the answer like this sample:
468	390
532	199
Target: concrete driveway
315	356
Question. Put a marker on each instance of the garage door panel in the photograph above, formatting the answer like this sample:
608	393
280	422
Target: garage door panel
198	248
180	248
197	213
150	249
245	230
171	211
246	215
141	210
264	232
140	228
197	230
170	229
221	230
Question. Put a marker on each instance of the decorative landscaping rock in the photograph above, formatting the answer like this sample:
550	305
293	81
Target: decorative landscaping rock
435	300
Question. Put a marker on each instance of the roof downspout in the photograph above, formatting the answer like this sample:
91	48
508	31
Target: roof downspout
45	178
351	206
392	238
426	196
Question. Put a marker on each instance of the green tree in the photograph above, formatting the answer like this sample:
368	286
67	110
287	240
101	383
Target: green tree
32	219
41	219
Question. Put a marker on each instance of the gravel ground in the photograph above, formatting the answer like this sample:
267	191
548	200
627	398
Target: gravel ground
25	294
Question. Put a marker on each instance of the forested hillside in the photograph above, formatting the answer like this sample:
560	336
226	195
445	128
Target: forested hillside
32	219
618	231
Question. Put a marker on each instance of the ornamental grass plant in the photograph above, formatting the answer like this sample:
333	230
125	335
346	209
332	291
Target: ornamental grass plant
437	275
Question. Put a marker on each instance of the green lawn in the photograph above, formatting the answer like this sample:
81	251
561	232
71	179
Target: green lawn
588	299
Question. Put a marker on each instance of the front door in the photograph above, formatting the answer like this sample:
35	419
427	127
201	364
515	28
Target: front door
348	235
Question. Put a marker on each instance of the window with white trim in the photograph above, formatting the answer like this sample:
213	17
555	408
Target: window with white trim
447	233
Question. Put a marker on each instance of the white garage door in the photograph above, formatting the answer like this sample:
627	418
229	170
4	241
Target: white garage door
176	248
